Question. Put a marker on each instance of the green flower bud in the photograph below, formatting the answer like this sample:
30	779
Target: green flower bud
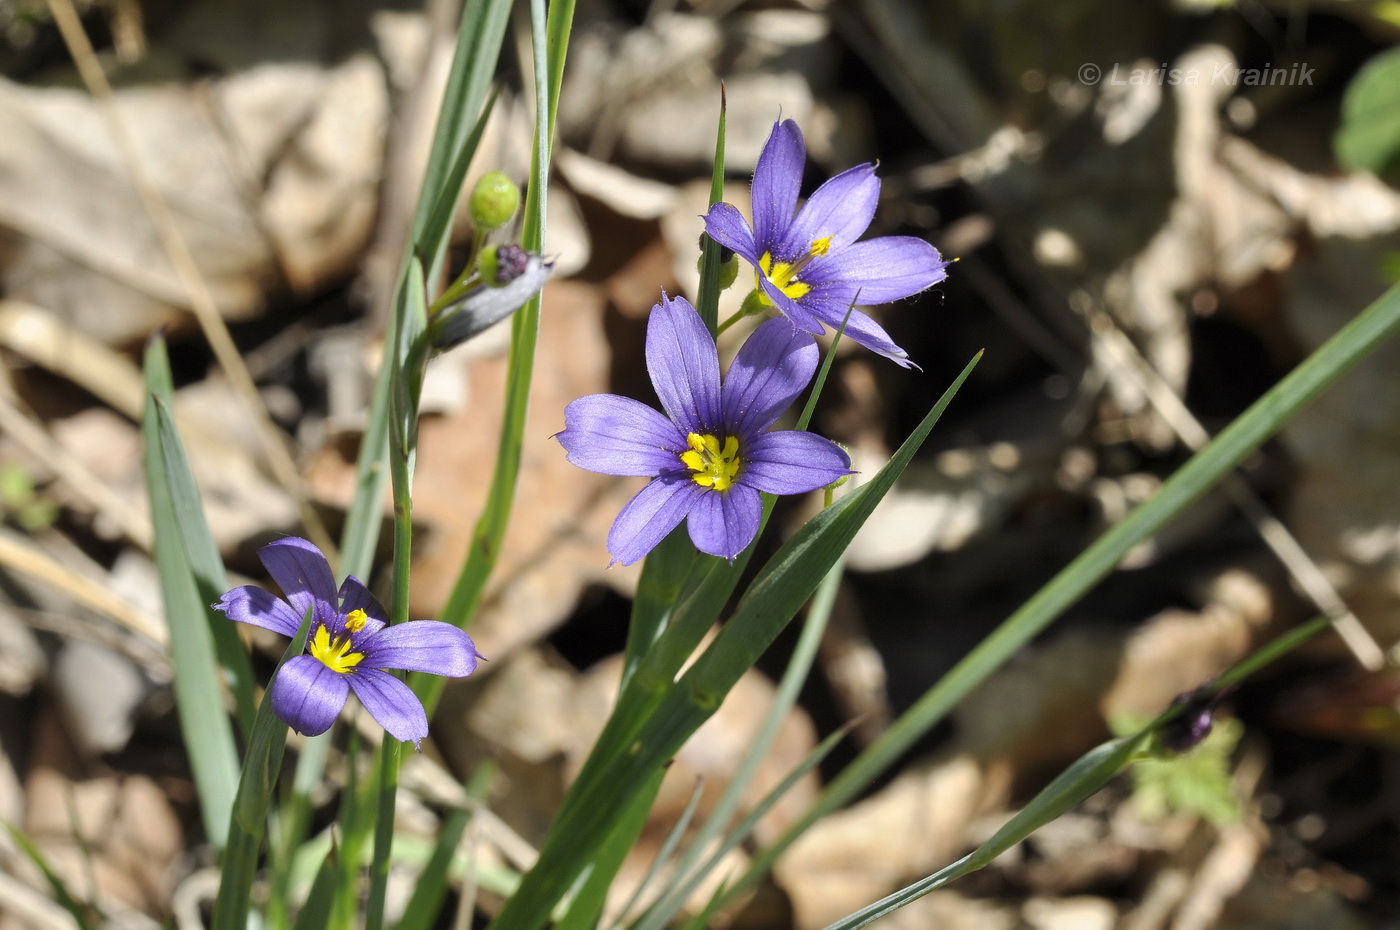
728	265
494	201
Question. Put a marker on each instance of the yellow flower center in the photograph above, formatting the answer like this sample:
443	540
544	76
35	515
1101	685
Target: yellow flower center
335	654
783	275
714	466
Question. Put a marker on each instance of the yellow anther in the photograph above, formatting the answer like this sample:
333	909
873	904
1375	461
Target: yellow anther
355	620
335	654
783	276
715	466
820	247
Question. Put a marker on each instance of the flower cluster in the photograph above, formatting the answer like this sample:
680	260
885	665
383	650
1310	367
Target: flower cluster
349	647
713	451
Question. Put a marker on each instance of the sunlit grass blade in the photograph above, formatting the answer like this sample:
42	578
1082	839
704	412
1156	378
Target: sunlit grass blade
550	35
794	676
662	913
409	367
707	301
1088	774
1085	776
431	888
204	720
201	552
461	119
782	586
1267	416
318	909
85	916
665	855
586	907
248	821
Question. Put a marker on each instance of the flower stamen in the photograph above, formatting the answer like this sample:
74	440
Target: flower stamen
335	654
715	466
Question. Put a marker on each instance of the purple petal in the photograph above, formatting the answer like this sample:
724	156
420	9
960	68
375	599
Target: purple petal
248	604
304	576
773	366
619	436
684	365
656	510
723	523
422	646
355	596
307	695
793	462
882	270
390	702
860	327
776	182
727	226
842	208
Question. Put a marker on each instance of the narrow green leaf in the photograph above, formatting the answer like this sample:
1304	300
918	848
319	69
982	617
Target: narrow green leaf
587	905
248	820
204	721
794	676
431	888
707	301
317	911
550	37
86	916
661	914
1374	325
1088	774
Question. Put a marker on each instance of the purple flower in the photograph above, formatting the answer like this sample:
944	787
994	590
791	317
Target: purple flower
350	645
807	262
710	454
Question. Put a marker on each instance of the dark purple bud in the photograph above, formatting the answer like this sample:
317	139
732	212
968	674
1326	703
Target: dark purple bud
1186	731
511	262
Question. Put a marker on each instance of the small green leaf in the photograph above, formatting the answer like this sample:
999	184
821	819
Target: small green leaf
1369	137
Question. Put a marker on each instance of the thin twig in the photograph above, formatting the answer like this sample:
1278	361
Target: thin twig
24	558
200	300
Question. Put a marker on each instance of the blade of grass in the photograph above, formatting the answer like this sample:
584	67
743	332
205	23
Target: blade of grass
687	877
551	36
782	586
707	301
586	907
408	381
204	721
248	819
84	915
194	538
1267	416
1084	777
661	914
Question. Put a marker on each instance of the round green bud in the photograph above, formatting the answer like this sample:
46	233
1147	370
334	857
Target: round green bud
728	265
494	200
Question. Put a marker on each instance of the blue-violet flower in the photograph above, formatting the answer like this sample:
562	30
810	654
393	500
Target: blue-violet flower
712	452
349	645
807	262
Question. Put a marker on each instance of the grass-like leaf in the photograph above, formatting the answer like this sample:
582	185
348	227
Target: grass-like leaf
1267	416
550	33
204	720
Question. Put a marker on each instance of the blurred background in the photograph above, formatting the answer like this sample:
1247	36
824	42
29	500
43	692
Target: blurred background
1158	209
